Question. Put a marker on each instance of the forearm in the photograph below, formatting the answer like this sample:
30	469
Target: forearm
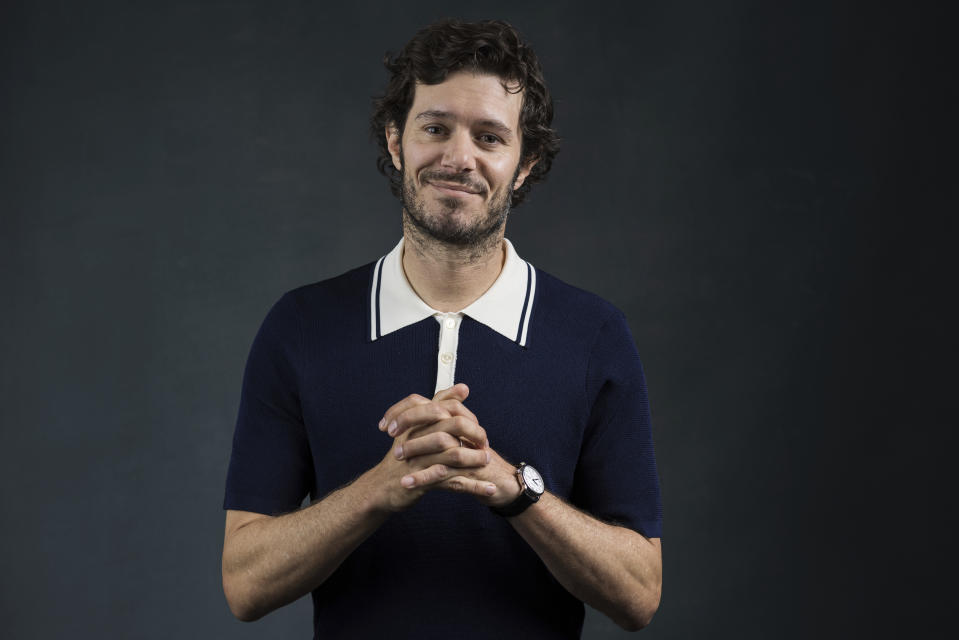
271	562
613	569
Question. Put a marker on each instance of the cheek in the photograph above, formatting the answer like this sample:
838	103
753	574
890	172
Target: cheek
504	172
419	155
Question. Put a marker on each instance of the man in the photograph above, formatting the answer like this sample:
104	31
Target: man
380	393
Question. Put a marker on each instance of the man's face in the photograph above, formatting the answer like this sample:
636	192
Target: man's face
459	156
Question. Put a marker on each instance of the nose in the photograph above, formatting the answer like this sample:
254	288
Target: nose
458	153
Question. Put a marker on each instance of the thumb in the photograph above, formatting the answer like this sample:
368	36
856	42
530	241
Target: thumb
458	391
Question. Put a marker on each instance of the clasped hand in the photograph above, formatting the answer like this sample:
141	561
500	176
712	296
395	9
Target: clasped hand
439	444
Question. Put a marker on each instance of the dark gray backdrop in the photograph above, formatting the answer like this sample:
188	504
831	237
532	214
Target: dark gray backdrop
763	188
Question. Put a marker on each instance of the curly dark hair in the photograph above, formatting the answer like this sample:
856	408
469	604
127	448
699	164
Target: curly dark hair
448	46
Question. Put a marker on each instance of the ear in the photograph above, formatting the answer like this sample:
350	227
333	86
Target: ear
521	176
393	144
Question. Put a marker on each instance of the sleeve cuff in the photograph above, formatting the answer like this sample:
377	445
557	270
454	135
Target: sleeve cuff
257	504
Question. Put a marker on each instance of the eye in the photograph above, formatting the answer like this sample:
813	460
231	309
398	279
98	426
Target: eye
489	138
433	129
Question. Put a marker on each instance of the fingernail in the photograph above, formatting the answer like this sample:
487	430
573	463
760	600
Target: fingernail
488	457
382	423
490	489
407	481
399	452
392	428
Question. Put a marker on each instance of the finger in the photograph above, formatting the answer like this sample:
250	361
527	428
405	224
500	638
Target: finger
457	408
462	484
430	443
449	399
425	414
425	477
417	416
408	402
458	457
458	391
456	426
455	396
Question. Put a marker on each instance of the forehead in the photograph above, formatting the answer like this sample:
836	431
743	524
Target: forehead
469	97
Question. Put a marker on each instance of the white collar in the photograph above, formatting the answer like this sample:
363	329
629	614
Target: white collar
505	307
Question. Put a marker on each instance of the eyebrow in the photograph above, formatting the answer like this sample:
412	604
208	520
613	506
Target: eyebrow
489	123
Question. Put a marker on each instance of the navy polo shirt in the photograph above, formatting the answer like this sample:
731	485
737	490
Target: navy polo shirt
555	380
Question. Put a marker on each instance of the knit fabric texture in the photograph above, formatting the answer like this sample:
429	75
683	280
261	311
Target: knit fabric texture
572	402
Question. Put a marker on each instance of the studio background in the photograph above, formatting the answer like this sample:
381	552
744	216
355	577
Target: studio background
762	188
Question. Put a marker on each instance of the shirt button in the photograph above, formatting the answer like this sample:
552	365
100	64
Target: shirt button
446	358
450	323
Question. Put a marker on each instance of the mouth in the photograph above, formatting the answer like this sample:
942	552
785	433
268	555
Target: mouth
453	189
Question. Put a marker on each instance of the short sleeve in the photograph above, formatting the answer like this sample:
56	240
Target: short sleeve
616	478
271	468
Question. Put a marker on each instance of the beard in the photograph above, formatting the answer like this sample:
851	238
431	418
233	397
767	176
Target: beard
438	221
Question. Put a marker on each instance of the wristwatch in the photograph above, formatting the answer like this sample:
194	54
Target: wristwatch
532	487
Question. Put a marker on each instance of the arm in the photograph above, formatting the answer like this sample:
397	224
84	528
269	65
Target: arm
613	569
271	561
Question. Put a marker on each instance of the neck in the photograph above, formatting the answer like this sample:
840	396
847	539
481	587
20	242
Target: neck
450	277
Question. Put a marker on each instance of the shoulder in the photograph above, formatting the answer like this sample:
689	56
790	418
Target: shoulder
323	308
332	292
578	321
559	303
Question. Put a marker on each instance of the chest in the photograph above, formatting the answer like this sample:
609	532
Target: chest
530	403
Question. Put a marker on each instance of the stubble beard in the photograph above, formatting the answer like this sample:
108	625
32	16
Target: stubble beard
440	226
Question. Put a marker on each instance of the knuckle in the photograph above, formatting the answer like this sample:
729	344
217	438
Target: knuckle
440	470
447	440
457	484
471	429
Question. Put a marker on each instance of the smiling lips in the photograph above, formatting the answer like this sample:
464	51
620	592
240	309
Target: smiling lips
452	186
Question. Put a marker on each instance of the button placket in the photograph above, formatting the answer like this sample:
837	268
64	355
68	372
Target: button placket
446	356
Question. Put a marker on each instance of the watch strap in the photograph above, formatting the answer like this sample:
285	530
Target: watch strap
517	506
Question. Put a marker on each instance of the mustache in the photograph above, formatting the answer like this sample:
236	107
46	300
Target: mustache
453	178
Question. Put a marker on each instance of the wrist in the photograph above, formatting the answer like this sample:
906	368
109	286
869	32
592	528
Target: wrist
373	493
508	490
502	473
530	485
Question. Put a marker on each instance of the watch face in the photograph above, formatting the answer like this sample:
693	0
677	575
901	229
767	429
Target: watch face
533	480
